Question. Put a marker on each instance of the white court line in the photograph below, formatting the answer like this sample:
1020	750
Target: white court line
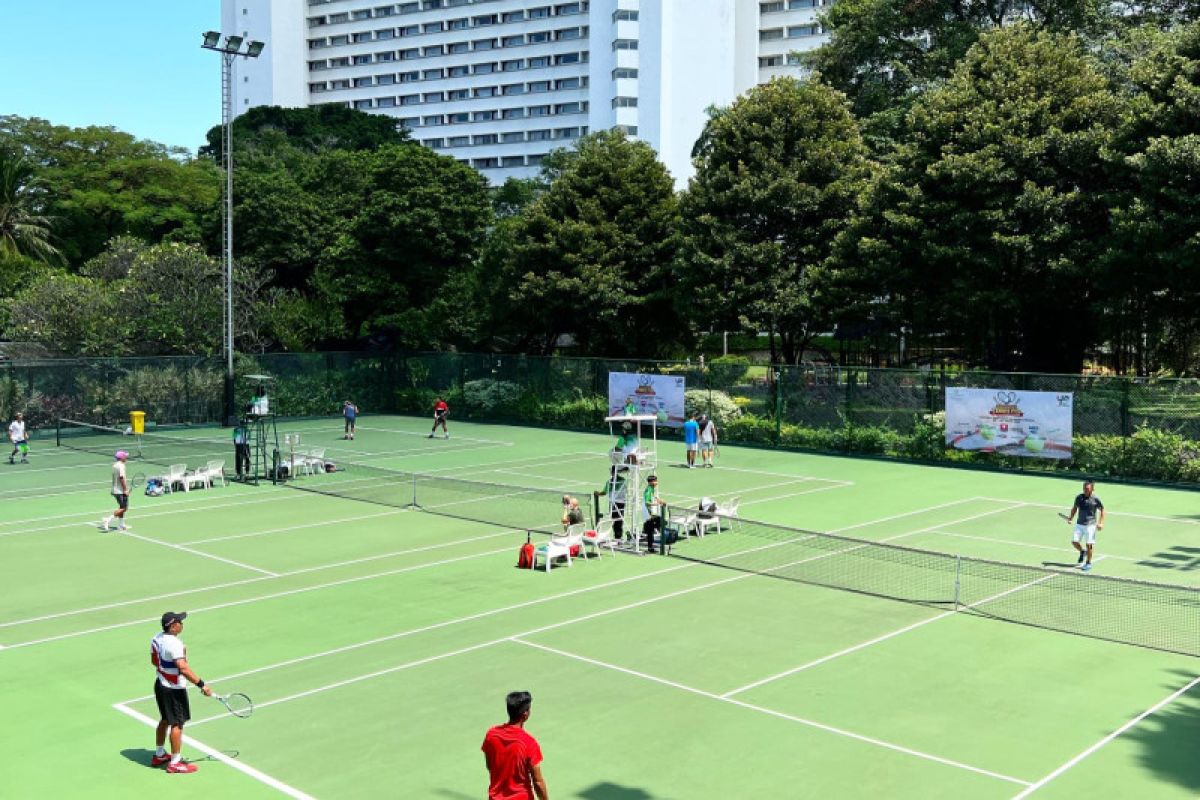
445	624
184	549
244	581
604	612
217	755
250	600
1061	506
883	638
1058	549
779	714
426	435
323	523
1110	737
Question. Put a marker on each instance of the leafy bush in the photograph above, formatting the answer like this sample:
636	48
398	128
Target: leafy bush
928	438
717	405
749	429
583	412
486	396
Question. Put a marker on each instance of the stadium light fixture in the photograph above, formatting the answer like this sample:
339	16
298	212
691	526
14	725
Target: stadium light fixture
230	51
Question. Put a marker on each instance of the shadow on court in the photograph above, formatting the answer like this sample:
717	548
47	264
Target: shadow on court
138	755
611	791
1168	738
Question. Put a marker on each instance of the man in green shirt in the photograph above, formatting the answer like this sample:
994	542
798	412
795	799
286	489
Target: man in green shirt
652	506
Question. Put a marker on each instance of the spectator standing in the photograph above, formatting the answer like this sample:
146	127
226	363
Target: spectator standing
708	440
691	439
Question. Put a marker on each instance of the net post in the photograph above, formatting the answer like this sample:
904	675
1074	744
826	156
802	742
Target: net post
957	580
414	503
58	432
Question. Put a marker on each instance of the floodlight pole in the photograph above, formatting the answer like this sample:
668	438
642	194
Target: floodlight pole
228	52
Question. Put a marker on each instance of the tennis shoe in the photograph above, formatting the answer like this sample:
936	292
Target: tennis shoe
431	436
1082	555
160	761
447	436
1087	567
104	523
181	767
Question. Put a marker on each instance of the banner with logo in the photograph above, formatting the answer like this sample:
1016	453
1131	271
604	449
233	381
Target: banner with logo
1034	424
660	395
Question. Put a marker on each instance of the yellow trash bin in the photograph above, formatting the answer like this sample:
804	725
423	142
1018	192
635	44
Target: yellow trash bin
137	421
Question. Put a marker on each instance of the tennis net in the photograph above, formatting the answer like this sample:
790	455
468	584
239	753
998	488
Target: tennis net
154	448
517	507
1153	615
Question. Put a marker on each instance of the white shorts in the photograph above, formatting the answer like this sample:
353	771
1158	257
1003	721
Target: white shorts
693	447
1084	533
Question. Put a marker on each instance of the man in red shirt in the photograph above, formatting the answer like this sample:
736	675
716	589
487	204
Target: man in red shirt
513	756
440	410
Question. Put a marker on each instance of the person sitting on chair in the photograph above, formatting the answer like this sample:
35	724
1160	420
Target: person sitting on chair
572	513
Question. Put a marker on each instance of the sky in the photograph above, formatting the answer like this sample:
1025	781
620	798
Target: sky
135	65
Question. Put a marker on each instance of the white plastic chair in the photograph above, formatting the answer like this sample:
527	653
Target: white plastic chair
728	512
199	475
315	460
175	475
556	548
601	537
216	471
297	462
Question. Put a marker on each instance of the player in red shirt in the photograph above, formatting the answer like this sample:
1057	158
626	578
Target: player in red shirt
440	410
513	756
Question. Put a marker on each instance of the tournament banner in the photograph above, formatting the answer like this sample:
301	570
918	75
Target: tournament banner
1034	424
660	395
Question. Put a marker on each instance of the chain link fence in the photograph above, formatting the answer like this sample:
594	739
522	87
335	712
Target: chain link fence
1133	427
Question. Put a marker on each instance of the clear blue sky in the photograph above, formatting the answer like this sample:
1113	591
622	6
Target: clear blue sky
135	65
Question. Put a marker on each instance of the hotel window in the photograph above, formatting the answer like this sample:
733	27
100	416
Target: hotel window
410	77
539	136
514	16
459	47
410	100
433	97
364	59
458	141
625	15
429	121
770	35
801	31
485	138
386	102
363	14
459	118
483	69
458	94
411	52
385	80
512	137
513	113
513	41
539	13
568	33
624	72
513	88
624	102
459	72
431	75
567	58
459	24
486	163
433	142
360	82
410	30
567	83
625	44
386	55
336	41
537	62
485	44
483	116
567	108
539	86
536	159
362	105
539	111
359	38
432	27
485	91
539	37
385	33
434	50
513	161
385	11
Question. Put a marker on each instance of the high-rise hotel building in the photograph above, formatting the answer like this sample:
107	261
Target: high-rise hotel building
498	84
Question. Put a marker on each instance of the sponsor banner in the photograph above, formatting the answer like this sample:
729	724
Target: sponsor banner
659	395
1033	424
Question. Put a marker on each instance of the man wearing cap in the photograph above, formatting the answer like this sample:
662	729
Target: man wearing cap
169	657
120	491
652	505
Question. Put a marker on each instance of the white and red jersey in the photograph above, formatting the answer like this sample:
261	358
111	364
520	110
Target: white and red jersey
165	652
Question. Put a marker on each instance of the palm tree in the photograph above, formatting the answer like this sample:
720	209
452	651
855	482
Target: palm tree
23	231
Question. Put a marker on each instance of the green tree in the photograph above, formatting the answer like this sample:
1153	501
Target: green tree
326	127
779	175
880	51
1152	280
591	255
24	228
994	225
101	183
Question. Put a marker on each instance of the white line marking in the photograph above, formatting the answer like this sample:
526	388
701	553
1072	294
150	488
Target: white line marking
245	581
426	435
217	755
1057	548
321	524
883	638
200	553
249	600
918	511
779	714
1061	506
1110	737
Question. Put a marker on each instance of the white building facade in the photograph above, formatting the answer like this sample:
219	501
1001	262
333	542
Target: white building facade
498	84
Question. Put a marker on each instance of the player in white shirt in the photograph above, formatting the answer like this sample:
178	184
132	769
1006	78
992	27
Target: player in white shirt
169	657
120	492
16	435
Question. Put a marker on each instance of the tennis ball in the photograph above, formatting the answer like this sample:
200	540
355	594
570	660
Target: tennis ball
1034	444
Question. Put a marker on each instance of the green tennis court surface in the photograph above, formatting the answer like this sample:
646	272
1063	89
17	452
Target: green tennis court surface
378	641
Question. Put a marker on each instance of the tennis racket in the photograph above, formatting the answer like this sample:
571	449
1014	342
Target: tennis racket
1067	517
237	704
138	480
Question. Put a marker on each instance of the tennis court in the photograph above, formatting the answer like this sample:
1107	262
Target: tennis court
378	639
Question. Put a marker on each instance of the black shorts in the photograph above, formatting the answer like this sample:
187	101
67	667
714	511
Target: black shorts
350	423
172	704
122	501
